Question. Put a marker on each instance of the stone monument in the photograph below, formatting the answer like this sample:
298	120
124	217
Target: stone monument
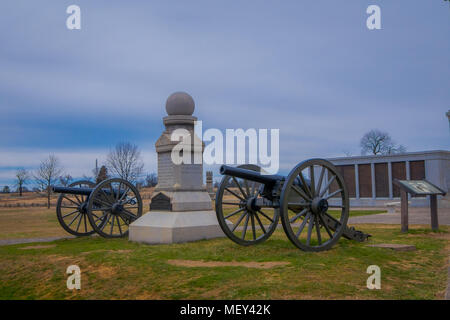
209	184
180	208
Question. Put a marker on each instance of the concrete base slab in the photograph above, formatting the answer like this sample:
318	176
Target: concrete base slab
394	246
158	227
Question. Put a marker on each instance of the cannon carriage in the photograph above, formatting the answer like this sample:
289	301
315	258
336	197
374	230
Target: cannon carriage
107	209
312	203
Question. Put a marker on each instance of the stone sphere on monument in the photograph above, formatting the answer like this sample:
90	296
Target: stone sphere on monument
180	103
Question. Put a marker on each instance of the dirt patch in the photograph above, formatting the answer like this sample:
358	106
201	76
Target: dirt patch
147	295
212	264
39	247
103	272
109	251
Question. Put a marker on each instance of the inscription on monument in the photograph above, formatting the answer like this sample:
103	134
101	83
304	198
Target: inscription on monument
161	202
165	171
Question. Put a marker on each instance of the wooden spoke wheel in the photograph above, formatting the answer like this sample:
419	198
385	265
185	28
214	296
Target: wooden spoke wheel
113	205
71	211
314	205
240	219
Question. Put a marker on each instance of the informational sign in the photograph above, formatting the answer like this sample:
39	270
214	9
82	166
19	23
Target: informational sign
419	187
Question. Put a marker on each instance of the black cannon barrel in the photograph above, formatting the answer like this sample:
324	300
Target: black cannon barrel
84	191
69	190
250	175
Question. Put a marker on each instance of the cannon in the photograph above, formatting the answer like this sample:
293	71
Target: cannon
107	208
312	203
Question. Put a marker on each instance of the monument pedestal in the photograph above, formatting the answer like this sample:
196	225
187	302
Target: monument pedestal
181	201
180	208
157	227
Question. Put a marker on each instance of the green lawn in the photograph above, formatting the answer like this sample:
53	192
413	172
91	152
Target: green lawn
41	222
118	269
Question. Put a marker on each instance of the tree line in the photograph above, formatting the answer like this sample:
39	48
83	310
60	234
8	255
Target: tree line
124	161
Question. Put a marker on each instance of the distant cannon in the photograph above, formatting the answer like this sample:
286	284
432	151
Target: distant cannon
107	209
301	199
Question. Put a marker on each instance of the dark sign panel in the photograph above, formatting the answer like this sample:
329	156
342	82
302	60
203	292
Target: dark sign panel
161	202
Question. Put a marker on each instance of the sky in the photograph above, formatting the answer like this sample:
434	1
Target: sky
309	68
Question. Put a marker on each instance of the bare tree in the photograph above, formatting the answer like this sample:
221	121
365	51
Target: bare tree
47	174
125	161
22	177
88	178
347	153
151	180
64	180
395	149
379	142
102	175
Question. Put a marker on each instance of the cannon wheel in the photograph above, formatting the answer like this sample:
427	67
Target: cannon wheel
71	211
261	221
304	206
113	205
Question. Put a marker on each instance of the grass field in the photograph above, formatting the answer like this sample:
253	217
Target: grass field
216	269
118	269
39	222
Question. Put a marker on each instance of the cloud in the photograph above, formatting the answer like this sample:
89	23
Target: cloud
312	70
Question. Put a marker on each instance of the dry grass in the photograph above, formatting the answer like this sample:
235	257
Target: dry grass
37	222
219	269
216	269
40	198
29	223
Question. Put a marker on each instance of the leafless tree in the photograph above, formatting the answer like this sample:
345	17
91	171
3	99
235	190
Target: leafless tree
47	174
151	180
395	149
102	175
379	142
64	180
22	177
125	161
347	153
88	178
